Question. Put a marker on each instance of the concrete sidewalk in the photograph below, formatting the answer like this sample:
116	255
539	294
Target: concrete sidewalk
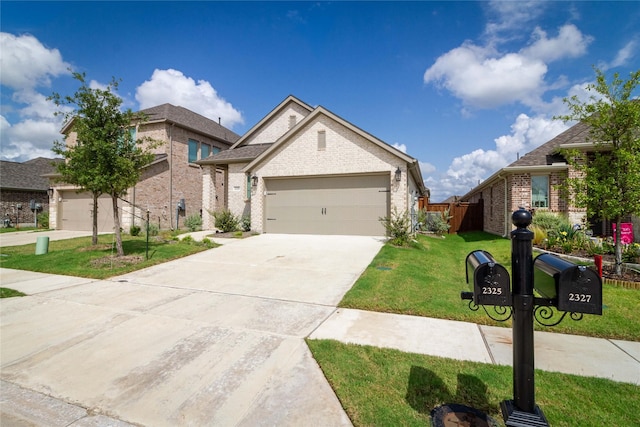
616	360
18	238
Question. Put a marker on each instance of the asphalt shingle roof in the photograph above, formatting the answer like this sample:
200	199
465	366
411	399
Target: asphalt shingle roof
27	175
189	119
578	133
243	153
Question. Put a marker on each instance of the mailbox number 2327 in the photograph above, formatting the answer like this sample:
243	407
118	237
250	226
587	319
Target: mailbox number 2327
580	297
490	290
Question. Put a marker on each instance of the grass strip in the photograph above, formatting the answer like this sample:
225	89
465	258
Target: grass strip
384	387
426	280
78	257
9	293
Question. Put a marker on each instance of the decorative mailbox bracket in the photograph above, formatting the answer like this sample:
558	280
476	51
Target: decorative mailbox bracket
570	288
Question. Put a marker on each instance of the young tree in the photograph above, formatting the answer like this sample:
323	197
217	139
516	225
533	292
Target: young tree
106	158
608	179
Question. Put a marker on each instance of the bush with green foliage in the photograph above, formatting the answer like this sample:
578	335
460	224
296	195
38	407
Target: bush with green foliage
193	222
398	227
438	222
43	219
246	223
153	229
225	221
549	220
134	230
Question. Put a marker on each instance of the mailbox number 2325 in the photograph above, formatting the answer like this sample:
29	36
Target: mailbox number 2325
490	290
580	297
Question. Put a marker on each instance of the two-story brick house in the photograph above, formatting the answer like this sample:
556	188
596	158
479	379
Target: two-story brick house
173	176
306	170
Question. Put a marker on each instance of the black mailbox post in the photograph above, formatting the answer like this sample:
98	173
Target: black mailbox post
491	284
572	287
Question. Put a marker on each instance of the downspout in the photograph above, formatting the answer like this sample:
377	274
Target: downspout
170	204
506	209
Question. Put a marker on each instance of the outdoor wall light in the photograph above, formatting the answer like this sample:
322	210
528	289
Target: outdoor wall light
398	174
254	181
50	192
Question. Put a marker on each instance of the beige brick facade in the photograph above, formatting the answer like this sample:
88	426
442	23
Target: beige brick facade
345	152
165	182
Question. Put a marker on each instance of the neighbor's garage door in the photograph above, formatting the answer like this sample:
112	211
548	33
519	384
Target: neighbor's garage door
77	212
327	205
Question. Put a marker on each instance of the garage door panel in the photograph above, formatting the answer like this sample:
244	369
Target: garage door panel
327	205
77	211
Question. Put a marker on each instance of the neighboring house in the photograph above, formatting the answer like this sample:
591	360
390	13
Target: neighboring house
531	182
306	170
22	184
171	178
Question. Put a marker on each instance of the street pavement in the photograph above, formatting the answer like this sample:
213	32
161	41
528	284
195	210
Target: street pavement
217	338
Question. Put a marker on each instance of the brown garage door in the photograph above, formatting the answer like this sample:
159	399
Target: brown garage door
77	212
349	205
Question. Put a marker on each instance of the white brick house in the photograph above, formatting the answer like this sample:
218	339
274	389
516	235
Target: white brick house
307	170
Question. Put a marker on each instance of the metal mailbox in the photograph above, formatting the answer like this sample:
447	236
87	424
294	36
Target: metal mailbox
572	287
491	283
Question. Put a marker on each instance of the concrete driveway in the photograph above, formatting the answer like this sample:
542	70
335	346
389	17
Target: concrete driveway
216	338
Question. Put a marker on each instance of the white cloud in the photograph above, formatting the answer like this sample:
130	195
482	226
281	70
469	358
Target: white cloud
31	127
511	15
468	170
172	86
426	168
570	43
26	63
623	56
483	77
401	147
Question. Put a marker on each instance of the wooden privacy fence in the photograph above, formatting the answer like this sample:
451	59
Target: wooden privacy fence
465	216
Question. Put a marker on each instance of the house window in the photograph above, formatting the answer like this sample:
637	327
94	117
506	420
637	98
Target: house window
540	191
206	150
193	150
215	150
248	186
322	140
292	121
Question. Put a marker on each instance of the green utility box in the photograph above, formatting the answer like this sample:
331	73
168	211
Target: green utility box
42	245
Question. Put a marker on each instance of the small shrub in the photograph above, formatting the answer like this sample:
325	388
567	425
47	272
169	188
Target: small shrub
437	222
539	234
238	234
550	220
246	223
134	230
193	222
631	253
153	229
225	221
43	219
187	239
398	228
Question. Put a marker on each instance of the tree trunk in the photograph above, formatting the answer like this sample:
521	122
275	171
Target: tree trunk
94	235
618	250
116	225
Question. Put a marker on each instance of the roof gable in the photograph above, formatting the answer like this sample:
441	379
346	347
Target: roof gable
313	116
268	120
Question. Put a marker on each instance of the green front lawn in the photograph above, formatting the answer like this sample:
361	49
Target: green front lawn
77	257
383	387
426	280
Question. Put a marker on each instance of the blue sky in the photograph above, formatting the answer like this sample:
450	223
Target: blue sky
464	87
